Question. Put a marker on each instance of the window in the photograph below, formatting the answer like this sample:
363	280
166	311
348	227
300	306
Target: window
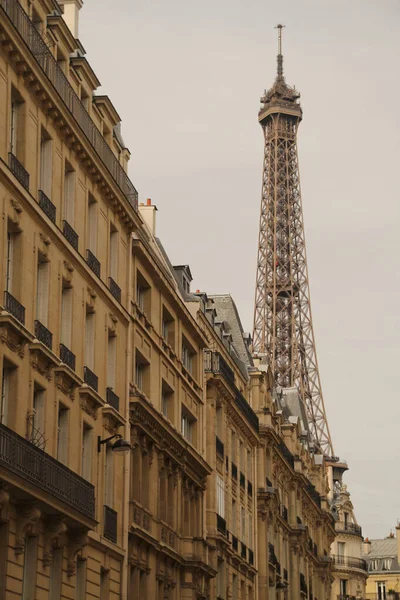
188	356
243	524
66	315
12	262
87	446
114	253
92	225
250	532
69	194
80	589
218	422
56	574
5	392
167	400
341	548
220	496
346	519
241	456
16	123
142	373
381	590
234	518
38	412
89	340
62	441
168	327
233	446
221	589
187	425
111	360
143	294
109	477
386	564
46	163
249	469
373	565
42	292
29	573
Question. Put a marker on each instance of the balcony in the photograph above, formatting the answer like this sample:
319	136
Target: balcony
42	470
246	410
18	170
14	307
284	513
47	206
215	363
234	471
70	234
114	289
242	480
251	557
90	378
112	398
93	263
303	585
250	489
234	543
219	446
67	357
221	525
271	554
288	456
73	104
349	562
110	524
43	335
243	551
314	494
351	528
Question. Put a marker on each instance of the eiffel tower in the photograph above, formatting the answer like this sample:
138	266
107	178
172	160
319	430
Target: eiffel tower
283	331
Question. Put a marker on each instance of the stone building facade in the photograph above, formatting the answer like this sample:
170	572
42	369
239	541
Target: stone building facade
383	564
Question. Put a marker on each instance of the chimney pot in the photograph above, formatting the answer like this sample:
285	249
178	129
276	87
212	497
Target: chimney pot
148	201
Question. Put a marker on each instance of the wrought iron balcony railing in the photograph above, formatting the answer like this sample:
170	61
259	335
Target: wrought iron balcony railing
246	410
54	73
47	206
234	471
349	561
67	356
90	378
288	456
110	524
219	446
70	235
112	398
114	289
42	470
242	480
314	494
18	170
93	263
221	524
215	363
43	335
351	528
271	554
14	307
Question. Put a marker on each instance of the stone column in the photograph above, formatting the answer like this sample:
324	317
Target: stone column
263	560
294	572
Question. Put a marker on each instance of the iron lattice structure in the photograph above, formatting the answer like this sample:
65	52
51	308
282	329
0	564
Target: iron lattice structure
283	331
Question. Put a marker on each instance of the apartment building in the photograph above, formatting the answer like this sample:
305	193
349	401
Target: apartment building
68	210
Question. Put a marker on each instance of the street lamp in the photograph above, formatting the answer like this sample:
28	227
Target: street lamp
121	446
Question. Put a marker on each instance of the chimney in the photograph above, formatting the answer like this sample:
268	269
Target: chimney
148	213
71	10
366	547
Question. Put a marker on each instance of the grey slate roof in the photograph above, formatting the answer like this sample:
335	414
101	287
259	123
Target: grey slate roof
383	548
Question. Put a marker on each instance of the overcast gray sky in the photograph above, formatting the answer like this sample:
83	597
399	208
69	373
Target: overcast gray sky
186	78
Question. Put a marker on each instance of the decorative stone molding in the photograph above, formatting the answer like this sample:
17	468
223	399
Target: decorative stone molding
12	339
77	540
67	271
28	515
55	528
4	502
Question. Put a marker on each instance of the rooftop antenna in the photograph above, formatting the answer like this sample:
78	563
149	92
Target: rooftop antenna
280	57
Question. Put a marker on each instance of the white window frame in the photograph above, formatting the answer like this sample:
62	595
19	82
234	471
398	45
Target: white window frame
187	427
111	361
381	590
39	409
62	434
90	326
67	295
220	496
42	291
46	163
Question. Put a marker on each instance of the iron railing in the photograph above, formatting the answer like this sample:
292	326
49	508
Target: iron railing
67	356
18	170
288	456
54	73
234	471
112	398
43	335
221	524
242	480
90	378
234	543
215	363
42	470
219	446
349	561
93	263
303	585
70	234
14	307
47	206
351	528
246	410
314	494
114	289
243	551
250	489
110	524
271	554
